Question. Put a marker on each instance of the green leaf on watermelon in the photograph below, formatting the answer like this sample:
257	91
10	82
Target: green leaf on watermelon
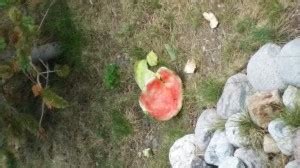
142	74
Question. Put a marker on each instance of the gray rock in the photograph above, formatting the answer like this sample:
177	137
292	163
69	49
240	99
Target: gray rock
262	70
198	162
182	152
232	162
218	149
293	164
270	145
283	136
233	132
288	63
203	130
251	158
291	97
296	142
233	98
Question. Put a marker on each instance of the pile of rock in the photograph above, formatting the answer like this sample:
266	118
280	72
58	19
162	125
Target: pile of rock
273	75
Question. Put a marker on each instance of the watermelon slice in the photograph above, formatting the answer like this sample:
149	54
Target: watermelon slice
162	96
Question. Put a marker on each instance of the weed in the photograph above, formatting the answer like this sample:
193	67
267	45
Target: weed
210	90
219	125
59	24
273	9
291	116
248	127
120	126
111	76
137	53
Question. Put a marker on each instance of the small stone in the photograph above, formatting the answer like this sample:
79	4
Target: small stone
218	149
233	132
232	162
288	63
283	136
296	142
263	107
291	97
262	70
213	21
293	164
251	158
190	66
233	98
147	152
199	163
270	145
203	130
183	152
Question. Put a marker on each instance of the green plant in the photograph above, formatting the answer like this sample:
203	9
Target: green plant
249	130
120	127
219	125
210	90
245	25
111	76
291	116
2	44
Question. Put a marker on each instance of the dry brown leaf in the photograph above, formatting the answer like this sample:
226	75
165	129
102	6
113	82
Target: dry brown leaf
37	90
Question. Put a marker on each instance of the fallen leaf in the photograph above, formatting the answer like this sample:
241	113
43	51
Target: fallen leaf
171	51
190	66
213	21
152	59
36	89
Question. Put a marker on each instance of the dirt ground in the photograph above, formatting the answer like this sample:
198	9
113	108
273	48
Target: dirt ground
118	32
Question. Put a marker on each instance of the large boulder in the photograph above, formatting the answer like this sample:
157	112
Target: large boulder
262	70
233	98
263	107
293	164
296	142
283	136
233	131
252	158
288	63
270	145
203	130
182	152
218	149
232	162
291	97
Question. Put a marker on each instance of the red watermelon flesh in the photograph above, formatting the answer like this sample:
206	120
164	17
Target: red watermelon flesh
162	98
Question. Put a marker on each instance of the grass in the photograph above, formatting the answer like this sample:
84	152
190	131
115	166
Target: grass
59	23
291	116
210	90
111	77
251	131
120	126
219	125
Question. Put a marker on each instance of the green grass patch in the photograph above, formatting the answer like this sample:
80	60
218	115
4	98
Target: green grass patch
245	25
120	127
251	131
273	9
210	90
60	25
111	76
291	116
219	125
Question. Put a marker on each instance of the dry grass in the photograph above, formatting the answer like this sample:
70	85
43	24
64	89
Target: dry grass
121	32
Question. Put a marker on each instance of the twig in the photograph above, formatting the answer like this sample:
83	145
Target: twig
44	17
91	2
42	115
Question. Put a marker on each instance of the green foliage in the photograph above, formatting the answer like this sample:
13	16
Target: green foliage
210	90
15	15
23	60
291	116
245	25
137	53
273	9
111	76
120	126
62	70
59	24
3	3
51	99
142	73
219	125
28	24
2	44
248	127
5	71
152	59
171	51
7	159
